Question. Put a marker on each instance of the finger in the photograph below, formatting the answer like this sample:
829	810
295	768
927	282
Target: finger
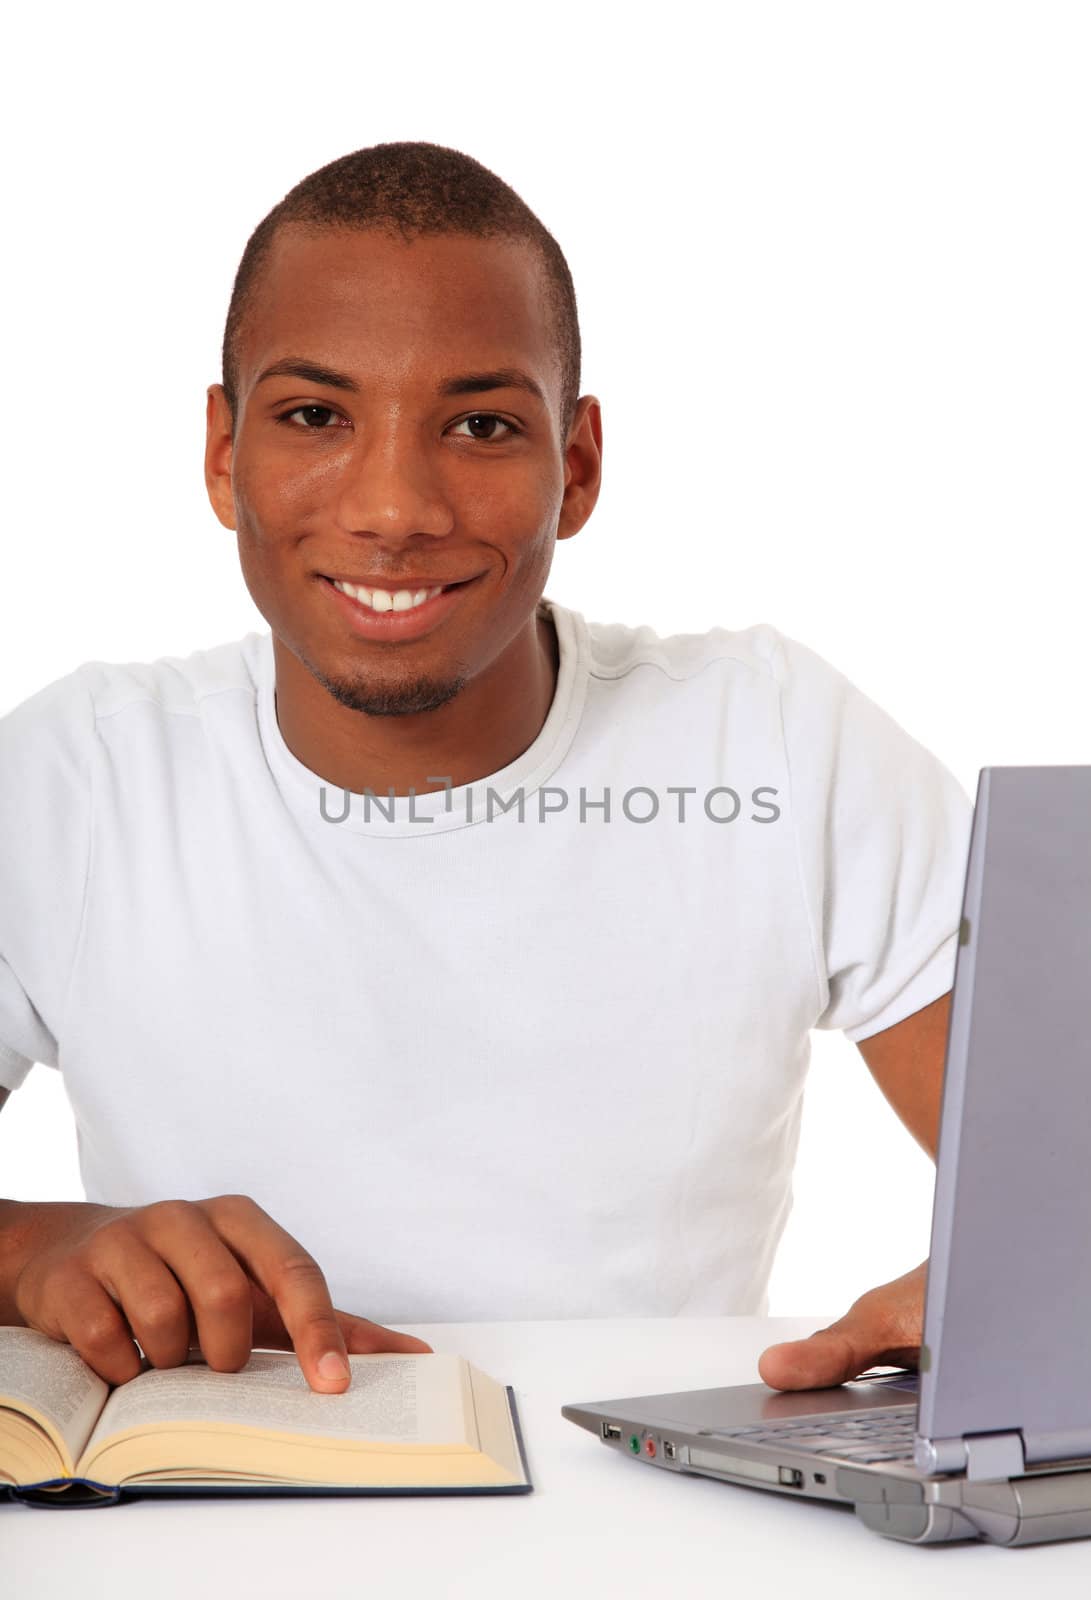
214	1282
150	1298
269	1330
825	1359
361	1336
293	1280
365	1338
96	1329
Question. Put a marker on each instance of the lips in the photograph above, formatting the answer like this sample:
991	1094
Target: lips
394	626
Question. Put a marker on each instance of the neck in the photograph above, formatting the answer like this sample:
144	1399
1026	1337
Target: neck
490	723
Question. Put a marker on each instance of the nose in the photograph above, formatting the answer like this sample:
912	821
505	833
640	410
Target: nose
391	487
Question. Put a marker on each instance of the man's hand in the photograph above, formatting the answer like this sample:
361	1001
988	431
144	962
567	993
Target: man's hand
219	1273
881	1329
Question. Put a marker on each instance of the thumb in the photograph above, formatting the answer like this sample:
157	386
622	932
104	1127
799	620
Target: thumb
831	1356
882	1327
364	1338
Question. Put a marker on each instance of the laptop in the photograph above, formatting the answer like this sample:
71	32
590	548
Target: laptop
991	1439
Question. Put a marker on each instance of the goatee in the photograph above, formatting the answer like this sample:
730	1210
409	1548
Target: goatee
406	699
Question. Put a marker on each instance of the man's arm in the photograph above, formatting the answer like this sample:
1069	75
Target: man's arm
883	1327
906	1062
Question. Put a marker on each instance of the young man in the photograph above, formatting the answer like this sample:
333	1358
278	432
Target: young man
477	944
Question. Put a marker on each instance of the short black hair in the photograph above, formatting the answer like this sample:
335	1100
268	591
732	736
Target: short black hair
412	188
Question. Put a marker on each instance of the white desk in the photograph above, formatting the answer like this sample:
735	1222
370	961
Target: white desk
595	1525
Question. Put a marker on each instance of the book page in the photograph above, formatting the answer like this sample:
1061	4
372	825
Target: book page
492	1414
398	1399
53	1384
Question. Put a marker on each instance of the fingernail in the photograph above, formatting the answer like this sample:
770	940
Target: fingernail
333	1366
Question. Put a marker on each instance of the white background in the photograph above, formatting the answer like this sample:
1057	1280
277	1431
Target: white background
832	263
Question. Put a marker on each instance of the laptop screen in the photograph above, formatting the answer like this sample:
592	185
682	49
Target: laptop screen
1009	1284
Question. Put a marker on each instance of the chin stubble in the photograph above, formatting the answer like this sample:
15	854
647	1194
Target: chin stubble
405	699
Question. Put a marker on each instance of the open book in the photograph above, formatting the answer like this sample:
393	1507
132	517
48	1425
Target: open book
407	1424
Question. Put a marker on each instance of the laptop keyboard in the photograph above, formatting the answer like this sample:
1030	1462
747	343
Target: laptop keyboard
870	1436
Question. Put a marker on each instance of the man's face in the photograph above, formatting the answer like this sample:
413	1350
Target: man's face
392	479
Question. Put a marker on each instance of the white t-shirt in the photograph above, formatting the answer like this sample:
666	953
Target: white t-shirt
483	1065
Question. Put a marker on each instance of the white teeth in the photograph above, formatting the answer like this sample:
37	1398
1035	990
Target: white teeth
384	600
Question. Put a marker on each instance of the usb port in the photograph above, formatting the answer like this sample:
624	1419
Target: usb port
668	1449
611	1430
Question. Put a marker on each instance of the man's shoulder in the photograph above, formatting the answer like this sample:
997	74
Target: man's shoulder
760	650
175	683
797	690
66	711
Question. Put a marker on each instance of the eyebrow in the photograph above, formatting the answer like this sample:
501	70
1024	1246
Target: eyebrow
465	383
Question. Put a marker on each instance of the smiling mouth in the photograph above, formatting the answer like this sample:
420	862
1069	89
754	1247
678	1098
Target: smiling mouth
383	600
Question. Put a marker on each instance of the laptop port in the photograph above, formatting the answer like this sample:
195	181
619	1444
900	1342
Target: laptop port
668	1449
610	1430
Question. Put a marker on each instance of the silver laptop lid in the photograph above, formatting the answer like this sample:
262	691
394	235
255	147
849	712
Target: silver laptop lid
1007	1325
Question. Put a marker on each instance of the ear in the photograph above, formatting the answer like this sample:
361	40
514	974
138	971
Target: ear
219	442
582	467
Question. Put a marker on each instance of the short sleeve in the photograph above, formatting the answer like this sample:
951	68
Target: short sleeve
883	830
46	745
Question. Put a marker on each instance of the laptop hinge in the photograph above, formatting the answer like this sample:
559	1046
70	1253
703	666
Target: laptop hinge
978	1455
1069	1445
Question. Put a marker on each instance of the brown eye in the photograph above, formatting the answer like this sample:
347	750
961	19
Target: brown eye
310	411
489	418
